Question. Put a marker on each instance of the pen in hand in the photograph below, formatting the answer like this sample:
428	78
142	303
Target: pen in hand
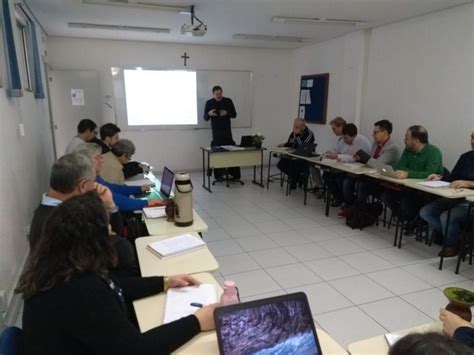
196	304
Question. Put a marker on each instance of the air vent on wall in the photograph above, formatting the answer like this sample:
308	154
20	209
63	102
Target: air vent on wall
316	20
140	3
269	38
117	27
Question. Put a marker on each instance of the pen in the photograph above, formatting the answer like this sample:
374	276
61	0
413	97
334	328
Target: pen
196	304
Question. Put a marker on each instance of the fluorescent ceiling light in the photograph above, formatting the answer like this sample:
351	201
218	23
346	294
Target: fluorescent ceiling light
269	38
117	27
308	20
139	3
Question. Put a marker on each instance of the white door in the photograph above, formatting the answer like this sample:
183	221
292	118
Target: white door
75	95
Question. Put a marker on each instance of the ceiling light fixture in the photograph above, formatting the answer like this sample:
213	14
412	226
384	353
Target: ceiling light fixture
269	38
139	3
117	27
316	20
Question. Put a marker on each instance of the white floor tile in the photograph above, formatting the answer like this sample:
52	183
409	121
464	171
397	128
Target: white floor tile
272	257
233	264
428	301
349	325
429	272
240	231
367	262
273	226
345	231
301	223
288	238
254	283
360	289
399	281
293	275
331	268
322	297
224	247
318	234
341	246
256	242
468	285
371	242
308	252
395	314
215	234
399	257
262	296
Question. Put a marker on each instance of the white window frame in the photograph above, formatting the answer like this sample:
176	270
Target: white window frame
25	58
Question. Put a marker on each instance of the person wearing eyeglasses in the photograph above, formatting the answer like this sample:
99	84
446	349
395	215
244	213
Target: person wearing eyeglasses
112	167
384	152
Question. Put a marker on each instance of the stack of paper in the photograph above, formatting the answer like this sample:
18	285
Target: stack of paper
154	212
434	183
140	182
232	148
175	246
178	300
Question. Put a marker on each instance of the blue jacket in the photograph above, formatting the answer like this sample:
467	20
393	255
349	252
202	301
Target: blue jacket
120	195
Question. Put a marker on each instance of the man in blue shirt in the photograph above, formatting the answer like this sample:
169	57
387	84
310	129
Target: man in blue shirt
436	213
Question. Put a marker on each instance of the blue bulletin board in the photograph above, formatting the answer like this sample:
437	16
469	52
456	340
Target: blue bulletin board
313	99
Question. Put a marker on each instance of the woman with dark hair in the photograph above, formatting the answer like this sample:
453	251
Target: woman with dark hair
430	343
72	304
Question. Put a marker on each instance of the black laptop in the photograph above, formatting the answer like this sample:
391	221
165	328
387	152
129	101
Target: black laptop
166	183
306	150
276	325
246	141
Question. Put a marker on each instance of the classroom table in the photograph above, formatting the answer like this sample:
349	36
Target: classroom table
280	151
212	159
150	313
379	346
161	226
200	260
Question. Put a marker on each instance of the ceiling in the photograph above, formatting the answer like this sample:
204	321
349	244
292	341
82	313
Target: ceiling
227	17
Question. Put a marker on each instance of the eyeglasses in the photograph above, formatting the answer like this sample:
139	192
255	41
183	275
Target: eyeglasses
375	131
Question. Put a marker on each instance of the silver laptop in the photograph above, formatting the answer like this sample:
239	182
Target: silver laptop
387	170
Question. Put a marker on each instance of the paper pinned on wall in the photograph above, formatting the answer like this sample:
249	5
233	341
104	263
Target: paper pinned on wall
302	97
309	83
302	112
308	97
77	97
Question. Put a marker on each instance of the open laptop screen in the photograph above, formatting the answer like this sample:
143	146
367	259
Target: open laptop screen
277	325
166	182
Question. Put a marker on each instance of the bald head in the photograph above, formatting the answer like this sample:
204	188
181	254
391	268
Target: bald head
299	125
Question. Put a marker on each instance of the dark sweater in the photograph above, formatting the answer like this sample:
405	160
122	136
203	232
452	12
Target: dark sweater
221	128
127	262
464	168
295	140
105	147
465	335
85	316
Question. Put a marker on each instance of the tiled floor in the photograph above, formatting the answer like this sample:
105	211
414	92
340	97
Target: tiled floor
357	283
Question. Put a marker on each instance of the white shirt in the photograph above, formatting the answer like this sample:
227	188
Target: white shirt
73	144
345	150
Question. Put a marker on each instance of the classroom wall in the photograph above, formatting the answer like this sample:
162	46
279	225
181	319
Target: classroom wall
179	149
420	71
25	163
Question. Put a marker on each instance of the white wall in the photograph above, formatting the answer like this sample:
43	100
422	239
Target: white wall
344	59
420	71
179	149
25	163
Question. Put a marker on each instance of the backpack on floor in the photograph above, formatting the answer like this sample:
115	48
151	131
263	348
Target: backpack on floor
365	215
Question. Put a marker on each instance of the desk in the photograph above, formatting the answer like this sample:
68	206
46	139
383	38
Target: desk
230	158
278	150
160	226
190	263
378	345
150	313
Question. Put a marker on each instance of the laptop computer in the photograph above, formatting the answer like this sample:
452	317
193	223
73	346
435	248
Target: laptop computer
306	150
167	180
387	170
246	141
276	325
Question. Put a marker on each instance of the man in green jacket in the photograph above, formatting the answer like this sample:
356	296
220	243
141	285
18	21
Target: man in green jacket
419	160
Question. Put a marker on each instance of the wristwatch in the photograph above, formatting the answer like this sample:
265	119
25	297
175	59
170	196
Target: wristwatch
165	283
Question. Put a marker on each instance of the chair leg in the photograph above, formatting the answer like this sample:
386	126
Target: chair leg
401	234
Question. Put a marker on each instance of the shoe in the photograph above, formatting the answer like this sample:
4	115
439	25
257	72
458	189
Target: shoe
344	212
449	252
410	228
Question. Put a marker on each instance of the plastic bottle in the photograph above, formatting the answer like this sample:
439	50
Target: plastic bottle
230	295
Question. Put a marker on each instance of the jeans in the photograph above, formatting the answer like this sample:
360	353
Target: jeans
335	182
436	214
405	204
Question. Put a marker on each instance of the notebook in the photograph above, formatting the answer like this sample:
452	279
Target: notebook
434	184
154	212
276	325
178	300
175	246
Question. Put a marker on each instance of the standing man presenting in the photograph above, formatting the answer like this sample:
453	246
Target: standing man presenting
220	110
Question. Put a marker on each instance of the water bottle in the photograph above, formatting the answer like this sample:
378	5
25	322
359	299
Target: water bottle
230	295
183	200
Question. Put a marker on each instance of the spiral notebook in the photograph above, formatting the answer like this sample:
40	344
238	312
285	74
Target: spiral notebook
175	246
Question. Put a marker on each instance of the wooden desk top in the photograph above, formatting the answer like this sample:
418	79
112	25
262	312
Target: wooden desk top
378	345
200	260
150	314
160	226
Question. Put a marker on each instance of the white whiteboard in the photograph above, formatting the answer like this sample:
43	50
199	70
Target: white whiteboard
236	85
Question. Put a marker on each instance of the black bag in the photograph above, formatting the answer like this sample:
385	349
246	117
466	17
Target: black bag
365	215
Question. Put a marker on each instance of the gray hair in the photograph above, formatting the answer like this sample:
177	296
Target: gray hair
88	149
69	170
124	147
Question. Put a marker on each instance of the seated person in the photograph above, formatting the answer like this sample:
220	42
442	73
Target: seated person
350	142
295	167
120	193
86	132
436	213
429	343
112	168
457	328
109	135
384	152
73	175
419	160
73	305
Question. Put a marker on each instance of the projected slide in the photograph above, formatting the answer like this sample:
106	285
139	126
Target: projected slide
160	97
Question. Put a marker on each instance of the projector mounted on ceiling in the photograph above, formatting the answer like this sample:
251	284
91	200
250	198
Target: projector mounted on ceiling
197	30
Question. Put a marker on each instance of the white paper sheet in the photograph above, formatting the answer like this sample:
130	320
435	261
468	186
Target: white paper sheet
434	184
154	212
77	97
